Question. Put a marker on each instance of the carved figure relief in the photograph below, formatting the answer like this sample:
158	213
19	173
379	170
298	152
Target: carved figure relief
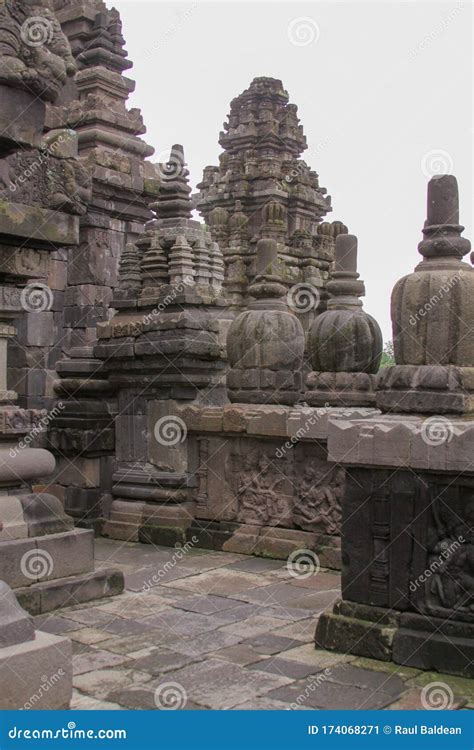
451	553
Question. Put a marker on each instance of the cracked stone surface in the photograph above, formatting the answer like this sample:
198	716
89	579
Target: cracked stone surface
222	631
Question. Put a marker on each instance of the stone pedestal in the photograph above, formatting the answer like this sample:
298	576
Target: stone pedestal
35	667
407	581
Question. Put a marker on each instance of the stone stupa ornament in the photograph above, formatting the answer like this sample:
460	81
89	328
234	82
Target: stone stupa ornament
265	344
345	342
433	318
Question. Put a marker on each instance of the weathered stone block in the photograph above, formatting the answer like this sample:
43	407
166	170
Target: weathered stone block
36	674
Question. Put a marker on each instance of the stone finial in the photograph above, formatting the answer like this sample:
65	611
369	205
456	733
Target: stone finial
433	317
345	342
174	200
129	268
345	287
442	229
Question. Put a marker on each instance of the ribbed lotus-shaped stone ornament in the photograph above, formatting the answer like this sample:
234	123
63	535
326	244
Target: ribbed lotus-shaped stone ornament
265	344
345	342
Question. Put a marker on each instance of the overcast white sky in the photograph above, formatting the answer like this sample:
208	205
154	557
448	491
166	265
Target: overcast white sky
383	89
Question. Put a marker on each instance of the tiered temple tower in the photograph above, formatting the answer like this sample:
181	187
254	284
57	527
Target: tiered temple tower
123	186
163	348
262	189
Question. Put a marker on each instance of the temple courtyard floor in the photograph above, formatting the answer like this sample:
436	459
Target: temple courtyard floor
215	630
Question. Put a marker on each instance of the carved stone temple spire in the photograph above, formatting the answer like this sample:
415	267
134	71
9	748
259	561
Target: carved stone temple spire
433	317
262	189
345	342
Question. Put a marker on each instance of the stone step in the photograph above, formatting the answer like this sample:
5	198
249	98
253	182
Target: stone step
66	592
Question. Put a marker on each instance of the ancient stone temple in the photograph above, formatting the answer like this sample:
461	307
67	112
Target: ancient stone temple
214	383
407	513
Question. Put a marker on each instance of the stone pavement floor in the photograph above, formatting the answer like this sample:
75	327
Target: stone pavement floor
200	630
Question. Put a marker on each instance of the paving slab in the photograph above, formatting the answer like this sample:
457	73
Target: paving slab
242	654
222	685
222	581
252	626
94	660
206	643
162	660
144	697
329	695
271	644
102	681
275	665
